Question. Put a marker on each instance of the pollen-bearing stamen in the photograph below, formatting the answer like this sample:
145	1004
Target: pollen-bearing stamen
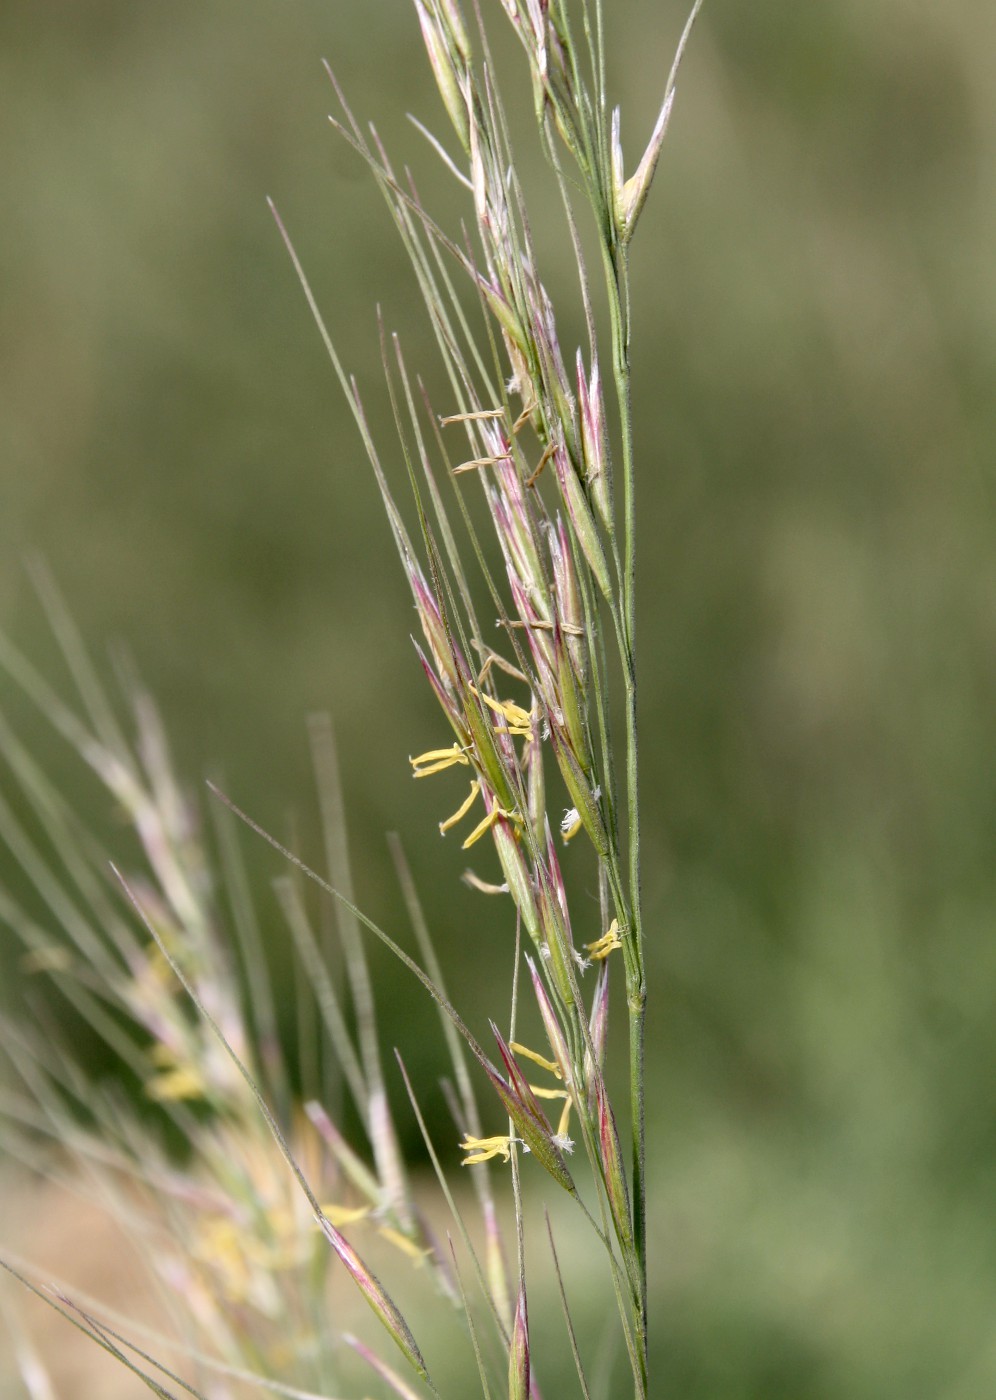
520	721
486	823
461	811
608	943
550	1066
560	1138
483	1149
437	760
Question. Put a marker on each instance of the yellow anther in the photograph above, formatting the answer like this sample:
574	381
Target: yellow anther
608	943
488	822
482	1149
435	760
460	812
549	1065
509	710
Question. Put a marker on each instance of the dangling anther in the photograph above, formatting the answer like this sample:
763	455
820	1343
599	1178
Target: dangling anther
481	462
551	449
525	416
478	416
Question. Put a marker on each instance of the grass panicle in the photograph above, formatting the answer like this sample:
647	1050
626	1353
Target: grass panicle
241	1226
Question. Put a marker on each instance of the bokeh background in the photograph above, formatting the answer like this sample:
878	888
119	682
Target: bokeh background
815	340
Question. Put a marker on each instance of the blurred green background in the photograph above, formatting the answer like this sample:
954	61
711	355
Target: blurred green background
815	337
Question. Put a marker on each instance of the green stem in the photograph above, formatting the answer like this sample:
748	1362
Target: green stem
618	284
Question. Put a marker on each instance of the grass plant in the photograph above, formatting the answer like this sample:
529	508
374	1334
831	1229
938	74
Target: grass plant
228	1157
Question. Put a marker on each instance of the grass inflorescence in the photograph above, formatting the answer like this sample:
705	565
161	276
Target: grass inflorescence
160	951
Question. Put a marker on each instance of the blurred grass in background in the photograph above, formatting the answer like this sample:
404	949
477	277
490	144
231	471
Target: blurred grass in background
815	349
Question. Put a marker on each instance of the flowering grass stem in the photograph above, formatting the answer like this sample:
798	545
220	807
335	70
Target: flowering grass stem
526	442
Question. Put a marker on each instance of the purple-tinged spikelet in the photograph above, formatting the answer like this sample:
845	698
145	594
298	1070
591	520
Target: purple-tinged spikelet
518	1351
